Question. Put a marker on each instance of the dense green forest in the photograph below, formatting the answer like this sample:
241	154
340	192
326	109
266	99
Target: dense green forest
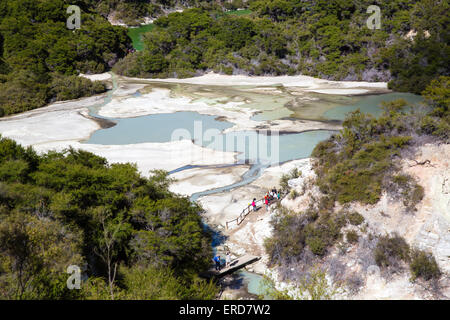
132	12
327	39
132	238
40	57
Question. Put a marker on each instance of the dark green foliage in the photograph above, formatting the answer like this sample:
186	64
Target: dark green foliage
39	56
355	218
411	192
437	122
352	236
132	12
353	164
73	207
328	39
74	87
390	251
162	284
288	239
423	265
316	229
414	63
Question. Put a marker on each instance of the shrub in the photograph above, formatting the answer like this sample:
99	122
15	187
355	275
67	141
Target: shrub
288	239
295	173
389	251
323	232
423	265
352	236
74	87
317	245
411	192
355	218
284	182
354	164
293	194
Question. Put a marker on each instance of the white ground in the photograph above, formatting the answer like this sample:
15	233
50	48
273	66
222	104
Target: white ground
97	77
306	82
160	101
226	206
61	125
201	179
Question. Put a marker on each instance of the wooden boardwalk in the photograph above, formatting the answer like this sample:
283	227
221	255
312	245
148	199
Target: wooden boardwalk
259	205
235	265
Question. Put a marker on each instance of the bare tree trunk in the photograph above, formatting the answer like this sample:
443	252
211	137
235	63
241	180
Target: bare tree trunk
107	254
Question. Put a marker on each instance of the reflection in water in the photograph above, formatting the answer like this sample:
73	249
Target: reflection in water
274	102
136	35
371	105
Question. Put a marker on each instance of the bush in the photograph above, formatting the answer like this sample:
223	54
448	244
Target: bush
423	265
390	251
293	194
352	165
355	218
411	192
288	239
284	182
74	87
352	236
295	173
317	245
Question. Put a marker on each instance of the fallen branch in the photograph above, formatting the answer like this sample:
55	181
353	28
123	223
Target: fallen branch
422	163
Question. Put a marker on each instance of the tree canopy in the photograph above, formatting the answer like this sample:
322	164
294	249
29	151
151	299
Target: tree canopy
40	57
73	208
327	39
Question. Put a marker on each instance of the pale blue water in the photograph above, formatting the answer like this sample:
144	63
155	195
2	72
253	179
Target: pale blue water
371	105
253	281
155	128
204	130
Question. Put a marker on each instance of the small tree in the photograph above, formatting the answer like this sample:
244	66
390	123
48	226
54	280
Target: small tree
113	231
423	265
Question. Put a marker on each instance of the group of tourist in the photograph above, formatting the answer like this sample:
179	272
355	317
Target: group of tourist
270	196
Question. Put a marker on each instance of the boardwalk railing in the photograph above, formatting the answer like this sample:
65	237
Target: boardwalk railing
249	209
244	213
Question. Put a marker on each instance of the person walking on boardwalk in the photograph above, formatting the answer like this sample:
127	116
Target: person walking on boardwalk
217	261
254	204
228	259
266	201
